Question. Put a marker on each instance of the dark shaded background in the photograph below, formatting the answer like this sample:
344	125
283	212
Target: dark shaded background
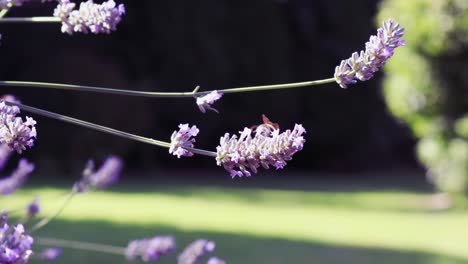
178	44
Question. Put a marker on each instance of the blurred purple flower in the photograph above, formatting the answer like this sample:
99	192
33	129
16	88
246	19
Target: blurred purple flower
106	175
14	132
183	139
7	4
204	102
33	208
150	249
268	147
5	153
50	254
196	250
9	184
215	260
15	244
379	49
90	17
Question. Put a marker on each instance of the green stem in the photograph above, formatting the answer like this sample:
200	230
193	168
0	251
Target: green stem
55	242
46	220
161	94
105	129
48	19
3	12
277	86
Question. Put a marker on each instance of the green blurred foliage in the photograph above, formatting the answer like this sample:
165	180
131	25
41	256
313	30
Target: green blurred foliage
426	84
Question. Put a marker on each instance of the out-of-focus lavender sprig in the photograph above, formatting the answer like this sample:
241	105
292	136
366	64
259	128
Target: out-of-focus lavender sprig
5	153
14	132
106	175
9	184
90	17
33	208
241	156
204	102
215	260
196	250
7	4
150	249
362	66
50	254
15	244
182	139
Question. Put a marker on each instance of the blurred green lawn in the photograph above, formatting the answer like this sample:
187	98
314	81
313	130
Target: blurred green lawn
260	225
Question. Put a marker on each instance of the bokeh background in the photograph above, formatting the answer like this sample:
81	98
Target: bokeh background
357	193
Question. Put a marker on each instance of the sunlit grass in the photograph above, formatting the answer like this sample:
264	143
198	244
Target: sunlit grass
381	220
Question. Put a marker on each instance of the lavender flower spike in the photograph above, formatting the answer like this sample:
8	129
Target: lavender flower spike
14	132
106	175
150	249
205	102
90	17
17	178
15	244
50	254
362	66
183	139
196	250
242	155
5	153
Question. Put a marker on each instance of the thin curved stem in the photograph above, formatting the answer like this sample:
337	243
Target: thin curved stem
161	94
47	220
276	86
79	245
105	129
47	19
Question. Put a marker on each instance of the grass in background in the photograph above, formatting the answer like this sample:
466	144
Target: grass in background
261	225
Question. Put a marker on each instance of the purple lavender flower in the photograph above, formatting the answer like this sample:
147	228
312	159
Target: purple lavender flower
90	17
50	254
106	175
7	4
5	153
204	102
33	208
9	184
183	139
379	49
215	260
15	244
268	147
196	250
14	132
150	249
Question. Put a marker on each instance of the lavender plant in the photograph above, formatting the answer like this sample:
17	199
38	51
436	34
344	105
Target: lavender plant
262	145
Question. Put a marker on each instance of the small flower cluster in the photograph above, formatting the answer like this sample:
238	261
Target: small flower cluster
268	147
15	244
17	178
379	49
205	102
14	132
90	17
106	175
183	139
150	249
196	250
